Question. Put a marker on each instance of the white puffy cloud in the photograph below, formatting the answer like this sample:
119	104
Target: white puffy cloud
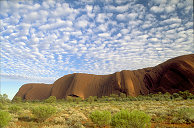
104	34
58	23
157	9
50	39
120	1
33	16
121	17
101	17
146	25
153	39
103	27
160	1
126	16
89	8
170	9
132	15
125	31
81	23
64	10
174	1
171	20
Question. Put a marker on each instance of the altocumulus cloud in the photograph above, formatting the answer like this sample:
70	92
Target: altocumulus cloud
44	40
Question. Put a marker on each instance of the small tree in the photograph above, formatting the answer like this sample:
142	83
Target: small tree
175	95
77	99
134	119
51	99
95	98
69	98
14	109
17	99
4	98
122	95
185	95
4	118
101	118
183	114
43	112
90	99
115	96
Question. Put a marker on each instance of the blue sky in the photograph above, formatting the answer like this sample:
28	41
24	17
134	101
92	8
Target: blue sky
44	40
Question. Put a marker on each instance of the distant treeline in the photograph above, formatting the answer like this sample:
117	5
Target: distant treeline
181	95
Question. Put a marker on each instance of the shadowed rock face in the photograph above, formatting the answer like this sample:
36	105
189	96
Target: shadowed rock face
174	75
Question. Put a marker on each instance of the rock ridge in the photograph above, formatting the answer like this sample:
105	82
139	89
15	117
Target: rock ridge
173	75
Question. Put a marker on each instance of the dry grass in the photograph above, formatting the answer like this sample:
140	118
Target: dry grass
73	115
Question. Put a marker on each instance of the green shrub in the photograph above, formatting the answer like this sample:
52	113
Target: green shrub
43	112
160	96
101	118
115	96
141	98
123	95
95	98
90	99
167	96
185	95
175	95
51	99
135	119
4	98
191	97
69	98
77	99
131	98
14	109
183	115
17	99
104	98
2	107
4	118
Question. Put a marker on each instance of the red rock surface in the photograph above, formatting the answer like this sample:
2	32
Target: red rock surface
34	91
174	75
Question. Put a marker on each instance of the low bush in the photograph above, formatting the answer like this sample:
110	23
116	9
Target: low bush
4	98
51	99
185	95
131	98
185	115
123	95
14	109
69	99
4	118
175	95
17	99
90	99
101	118
95	98
77	99
2	107
134	119
114	95
43	112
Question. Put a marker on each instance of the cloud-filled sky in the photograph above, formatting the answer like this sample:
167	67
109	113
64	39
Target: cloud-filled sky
44	40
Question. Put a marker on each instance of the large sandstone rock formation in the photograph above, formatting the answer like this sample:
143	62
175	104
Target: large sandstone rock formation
174	75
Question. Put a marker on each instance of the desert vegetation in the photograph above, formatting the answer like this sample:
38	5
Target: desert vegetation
114	111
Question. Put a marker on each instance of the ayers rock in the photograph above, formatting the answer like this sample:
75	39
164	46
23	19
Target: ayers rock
174	75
